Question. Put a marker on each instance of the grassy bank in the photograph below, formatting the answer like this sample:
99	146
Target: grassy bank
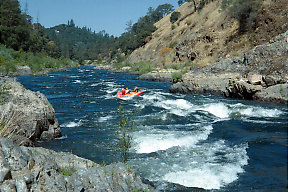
10	59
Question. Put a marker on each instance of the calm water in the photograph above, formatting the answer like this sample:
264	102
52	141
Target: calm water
184	142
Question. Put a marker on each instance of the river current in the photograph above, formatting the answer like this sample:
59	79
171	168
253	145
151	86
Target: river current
181	142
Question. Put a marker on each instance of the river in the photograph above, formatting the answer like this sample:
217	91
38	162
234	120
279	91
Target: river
181	142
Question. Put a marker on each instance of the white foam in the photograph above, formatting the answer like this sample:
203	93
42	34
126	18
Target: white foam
103	119
251	111
63	137
206	172
77	81
72	124
178	107
218	109
147	141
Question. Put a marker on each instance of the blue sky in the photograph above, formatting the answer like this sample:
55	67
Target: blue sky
109	15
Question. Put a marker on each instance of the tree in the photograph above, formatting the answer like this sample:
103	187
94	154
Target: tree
180	2
175	16
129	25
14	28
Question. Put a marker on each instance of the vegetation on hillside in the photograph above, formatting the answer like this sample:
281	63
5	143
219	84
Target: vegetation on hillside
84	44
245	11
19	33
25	43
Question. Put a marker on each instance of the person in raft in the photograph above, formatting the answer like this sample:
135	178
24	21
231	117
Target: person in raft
123	91
127	91
136	89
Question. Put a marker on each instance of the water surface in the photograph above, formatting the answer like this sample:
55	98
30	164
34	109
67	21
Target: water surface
184	142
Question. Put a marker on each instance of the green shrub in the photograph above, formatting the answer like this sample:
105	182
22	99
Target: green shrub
172	45
141	67
173	27
67	171
175	16
177	77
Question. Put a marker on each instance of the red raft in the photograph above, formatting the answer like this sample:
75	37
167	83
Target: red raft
119	94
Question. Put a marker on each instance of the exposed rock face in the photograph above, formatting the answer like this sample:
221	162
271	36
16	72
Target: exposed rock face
38	119
39	169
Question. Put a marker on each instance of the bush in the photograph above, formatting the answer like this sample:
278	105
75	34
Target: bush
175	16
141	67
245	11
172	45
177	77
123	134
173	27
67	171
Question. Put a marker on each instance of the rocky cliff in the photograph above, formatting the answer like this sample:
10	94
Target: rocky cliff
38	169
31	112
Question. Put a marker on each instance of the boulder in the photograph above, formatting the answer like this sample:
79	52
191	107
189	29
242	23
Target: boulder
276	93
255	79
241	89
33	112
23	70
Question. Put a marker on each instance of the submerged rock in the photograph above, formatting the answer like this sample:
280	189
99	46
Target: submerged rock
39	169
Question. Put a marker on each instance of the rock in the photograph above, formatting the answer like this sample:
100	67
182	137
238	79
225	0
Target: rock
271	80
4	168
8	186
276	93
255	79
203	83
23	70
33	112
21	185
103	67
241	89
39	169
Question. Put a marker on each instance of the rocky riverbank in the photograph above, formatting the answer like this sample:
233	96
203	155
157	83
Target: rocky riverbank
38	169
260	74
32	118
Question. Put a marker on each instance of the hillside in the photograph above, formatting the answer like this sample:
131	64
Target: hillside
205	36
